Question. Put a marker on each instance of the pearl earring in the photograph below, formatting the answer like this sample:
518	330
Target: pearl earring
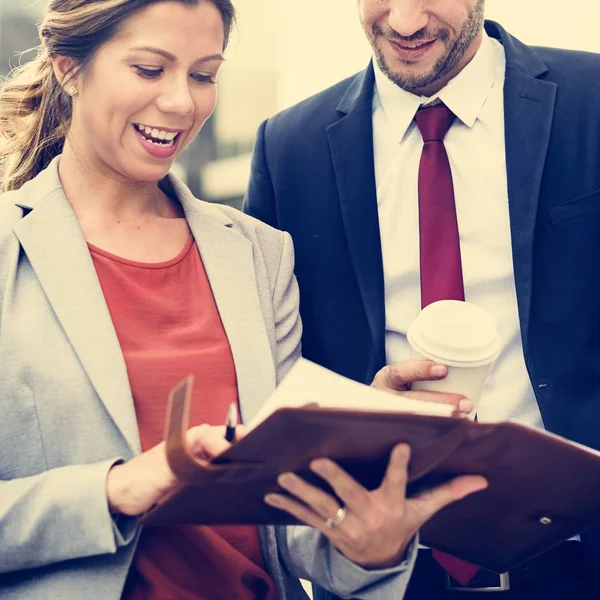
72	90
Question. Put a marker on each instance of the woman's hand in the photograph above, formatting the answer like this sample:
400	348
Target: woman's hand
133	487
372	529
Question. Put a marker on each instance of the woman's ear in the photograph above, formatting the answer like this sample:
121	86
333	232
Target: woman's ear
65	72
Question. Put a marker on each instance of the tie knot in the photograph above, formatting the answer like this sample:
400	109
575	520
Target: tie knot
434	122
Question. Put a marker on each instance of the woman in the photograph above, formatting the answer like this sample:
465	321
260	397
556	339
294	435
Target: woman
114	284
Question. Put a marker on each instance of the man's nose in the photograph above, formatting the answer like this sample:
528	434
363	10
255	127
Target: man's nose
406	17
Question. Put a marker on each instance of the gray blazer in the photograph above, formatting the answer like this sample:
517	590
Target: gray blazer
66	408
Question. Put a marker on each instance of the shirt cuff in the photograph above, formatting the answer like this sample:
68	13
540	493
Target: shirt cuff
352	580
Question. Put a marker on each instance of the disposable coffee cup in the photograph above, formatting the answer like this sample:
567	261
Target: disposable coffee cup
460	335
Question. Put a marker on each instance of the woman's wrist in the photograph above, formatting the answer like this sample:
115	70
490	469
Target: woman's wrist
133	487
115	491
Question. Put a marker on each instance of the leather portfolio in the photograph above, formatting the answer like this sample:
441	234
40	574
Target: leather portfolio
542	489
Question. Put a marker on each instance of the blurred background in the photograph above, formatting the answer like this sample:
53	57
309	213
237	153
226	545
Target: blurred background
283	51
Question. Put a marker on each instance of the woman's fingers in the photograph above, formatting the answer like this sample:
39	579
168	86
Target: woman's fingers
206	441
240	432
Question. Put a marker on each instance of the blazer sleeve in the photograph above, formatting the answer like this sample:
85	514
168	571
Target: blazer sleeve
62	513
288	326
259	201
59	515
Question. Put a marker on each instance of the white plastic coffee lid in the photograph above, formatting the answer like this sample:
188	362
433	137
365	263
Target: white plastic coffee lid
456	333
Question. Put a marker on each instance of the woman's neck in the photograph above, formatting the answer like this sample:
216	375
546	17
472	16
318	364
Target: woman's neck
96	192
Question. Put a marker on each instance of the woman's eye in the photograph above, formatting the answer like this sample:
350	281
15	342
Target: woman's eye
204	78
148	73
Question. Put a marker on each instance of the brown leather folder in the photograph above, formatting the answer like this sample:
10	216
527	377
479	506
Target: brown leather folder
542	488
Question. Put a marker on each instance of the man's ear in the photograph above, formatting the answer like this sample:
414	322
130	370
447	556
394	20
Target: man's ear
65	71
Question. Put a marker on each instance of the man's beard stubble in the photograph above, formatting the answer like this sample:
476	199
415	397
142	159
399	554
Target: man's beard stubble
454	52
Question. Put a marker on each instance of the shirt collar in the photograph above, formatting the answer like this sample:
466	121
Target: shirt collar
464	95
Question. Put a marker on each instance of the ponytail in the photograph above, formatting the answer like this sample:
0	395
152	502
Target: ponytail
34	113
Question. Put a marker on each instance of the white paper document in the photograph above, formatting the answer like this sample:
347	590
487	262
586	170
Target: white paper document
308	383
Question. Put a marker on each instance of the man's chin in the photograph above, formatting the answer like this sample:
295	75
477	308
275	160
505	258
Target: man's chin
411	80
406	70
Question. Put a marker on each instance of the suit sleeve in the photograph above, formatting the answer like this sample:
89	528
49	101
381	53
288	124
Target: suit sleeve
308	554
59	515
259	201
303	551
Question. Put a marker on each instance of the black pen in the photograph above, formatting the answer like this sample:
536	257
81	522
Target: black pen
231	422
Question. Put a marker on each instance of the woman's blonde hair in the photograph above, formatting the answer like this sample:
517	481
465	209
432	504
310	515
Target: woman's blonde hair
35	109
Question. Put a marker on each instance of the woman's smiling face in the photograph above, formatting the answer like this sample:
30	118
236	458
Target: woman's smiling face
147	92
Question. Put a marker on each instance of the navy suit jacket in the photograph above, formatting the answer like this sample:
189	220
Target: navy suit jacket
313	176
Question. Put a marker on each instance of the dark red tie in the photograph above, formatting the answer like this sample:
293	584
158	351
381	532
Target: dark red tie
441	268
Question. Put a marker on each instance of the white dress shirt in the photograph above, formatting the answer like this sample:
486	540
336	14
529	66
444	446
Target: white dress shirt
475	147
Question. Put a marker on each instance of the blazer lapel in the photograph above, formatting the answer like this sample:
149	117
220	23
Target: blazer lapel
528	113
229	262
351	147
56	248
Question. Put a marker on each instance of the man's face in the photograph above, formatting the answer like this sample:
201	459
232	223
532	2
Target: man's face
422	44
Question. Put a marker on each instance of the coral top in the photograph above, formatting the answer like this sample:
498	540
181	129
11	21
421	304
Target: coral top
169	327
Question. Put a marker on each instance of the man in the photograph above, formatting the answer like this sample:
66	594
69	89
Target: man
348	174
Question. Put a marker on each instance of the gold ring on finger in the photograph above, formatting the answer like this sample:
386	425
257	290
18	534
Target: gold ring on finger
339	517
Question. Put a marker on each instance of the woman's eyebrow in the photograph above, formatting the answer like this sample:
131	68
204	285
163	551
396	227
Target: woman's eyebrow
171	57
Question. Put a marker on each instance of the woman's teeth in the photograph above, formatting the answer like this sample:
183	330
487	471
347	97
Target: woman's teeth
155	136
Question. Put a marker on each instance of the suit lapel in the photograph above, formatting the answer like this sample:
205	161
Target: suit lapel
528	113
529	109
229	262
56	248
351	147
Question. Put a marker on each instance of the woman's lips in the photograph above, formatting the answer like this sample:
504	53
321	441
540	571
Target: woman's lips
158	151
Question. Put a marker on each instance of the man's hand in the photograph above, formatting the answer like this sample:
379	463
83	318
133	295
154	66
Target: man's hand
397	377
374	527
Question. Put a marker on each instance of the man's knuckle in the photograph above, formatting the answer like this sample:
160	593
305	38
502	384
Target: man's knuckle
378	379
398	510
376	523
357	538
324	507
